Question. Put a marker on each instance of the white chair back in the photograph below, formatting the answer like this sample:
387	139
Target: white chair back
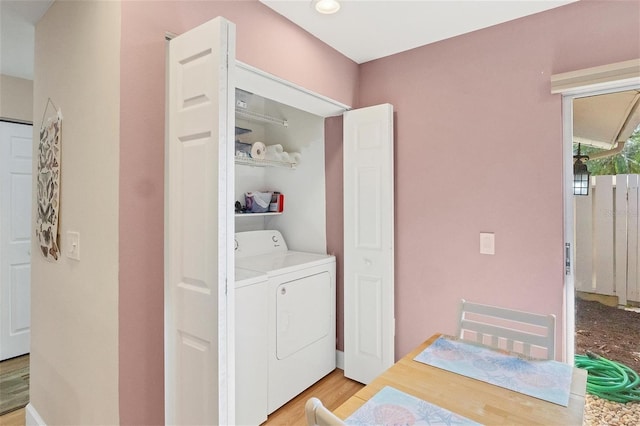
527	333
319	415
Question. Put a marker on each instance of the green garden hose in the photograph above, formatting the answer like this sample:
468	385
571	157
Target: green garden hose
609	379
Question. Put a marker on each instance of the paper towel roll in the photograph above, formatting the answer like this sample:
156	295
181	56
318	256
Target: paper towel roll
258	150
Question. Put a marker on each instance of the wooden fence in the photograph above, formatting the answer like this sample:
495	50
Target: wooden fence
606	230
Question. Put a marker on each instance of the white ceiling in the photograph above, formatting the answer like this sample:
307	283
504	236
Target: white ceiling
17	21
363	30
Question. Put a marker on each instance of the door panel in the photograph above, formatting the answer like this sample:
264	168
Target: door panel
20	300
368	207
198	389
368	316
368	242
15	238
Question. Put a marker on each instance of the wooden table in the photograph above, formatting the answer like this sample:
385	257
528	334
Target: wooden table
479	401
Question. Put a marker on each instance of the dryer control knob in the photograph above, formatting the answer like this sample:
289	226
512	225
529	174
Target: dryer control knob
274	239
283	291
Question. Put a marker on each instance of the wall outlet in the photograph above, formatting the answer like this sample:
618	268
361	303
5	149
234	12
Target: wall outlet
487	243
73	241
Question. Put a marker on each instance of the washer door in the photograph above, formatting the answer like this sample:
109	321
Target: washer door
303	313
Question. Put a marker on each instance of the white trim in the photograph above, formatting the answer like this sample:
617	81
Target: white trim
603	77
32	418
568	95
267	85
169	367
340	359
15	121
226	293
568	316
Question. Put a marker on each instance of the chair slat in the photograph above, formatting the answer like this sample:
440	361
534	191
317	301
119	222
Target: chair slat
515	328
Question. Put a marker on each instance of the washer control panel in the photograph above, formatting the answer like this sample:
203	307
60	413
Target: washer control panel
253	243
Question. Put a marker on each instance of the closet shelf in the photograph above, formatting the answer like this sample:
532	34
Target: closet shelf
247	161
260	117
258	214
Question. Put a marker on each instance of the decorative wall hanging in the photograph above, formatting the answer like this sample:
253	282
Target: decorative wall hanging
48	184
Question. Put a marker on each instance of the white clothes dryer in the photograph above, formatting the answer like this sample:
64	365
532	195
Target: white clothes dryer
301	306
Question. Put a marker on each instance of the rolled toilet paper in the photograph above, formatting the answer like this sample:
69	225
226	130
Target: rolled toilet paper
258	150
274	152
295	157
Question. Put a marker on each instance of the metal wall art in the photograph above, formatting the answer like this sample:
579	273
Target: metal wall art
48	185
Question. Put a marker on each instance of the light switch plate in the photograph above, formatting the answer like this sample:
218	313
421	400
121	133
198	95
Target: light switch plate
487	243
73	241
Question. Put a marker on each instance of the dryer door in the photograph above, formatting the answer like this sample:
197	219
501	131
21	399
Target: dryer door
303	313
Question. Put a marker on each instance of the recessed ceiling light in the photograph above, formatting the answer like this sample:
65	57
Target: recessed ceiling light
327	7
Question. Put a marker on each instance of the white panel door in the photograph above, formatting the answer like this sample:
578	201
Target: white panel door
199	256
15	238
368	242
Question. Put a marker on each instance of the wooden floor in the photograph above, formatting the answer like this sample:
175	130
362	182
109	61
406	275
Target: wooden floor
332	390
17	417
14	418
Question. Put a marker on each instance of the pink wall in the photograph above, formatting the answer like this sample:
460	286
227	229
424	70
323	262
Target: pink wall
335	224
264	40
479	148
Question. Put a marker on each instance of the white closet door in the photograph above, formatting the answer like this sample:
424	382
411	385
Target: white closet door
368	242
15	238
199	191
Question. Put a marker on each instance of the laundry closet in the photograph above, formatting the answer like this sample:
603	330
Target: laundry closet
250	293
284	282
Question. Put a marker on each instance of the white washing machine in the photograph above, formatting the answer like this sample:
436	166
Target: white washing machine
301	306
251	346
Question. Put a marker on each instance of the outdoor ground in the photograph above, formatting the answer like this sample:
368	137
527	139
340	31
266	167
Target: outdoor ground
609	332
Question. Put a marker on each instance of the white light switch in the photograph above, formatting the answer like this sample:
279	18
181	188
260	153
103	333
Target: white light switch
487	243
73	249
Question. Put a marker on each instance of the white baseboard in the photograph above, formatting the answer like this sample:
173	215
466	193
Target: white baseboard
340	360
32	418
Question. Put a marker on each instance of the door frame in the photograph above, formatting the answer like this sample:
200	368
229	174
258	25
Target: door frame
267	85
573	85
277	89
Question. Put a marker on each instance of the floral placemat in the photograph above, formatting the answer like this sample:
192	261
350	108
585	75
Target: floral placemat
391	407
544	379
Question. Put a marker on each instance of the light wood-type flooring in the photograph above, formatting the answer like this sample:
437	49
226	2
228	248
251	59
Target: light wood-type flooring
14	418
332	390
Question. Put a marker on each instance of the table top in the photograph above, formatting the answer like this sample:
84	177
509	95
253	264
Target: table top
479	401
